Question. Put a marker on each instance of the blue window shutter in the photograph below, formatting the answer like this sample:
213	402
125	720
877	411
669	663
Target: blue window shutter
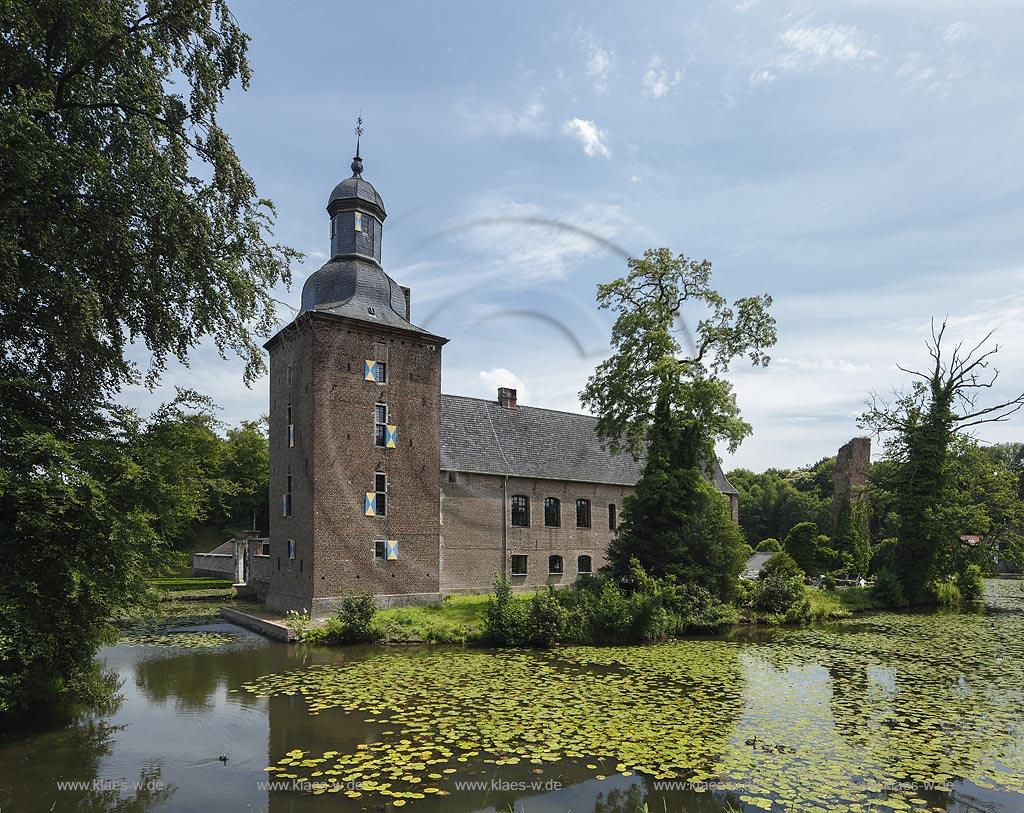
371	504
369	374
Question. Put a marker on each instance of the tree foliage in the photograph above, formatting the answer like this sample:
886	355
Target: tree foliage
651	396
127	226
772	502
126	216
648	365
677	523
921	426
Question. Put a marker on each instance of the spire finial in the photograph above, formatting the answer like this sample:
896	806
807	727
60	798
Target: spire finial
357	162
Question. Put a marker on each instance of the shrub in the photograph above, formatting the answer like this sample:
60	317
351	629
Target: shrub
779	584
944	592
971	583
353	623
612	620
507	622
769	545
887	590
547	619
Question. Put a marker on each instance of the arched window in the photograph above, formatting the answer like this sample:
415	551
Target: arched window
520	511
582	513
552	512
583	566
555	566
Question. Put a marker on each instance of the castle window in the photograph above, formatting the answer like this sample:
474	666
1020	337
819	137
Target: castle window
286	502
552	512
583	565
379	546
380	485
381	372
582	513
555	566
520	511
291	428
380	428
612	522
291	548
519	565
359	221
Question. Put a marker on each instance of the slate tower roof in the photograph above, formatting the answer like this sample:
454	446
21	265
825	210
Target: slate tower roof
352	283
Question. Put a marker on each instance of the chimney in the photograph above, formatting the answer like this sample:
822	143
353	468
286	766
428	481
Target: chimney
506	398
408	296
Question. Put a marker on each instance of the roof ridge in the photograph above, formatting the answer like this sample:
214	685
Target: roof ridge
521	406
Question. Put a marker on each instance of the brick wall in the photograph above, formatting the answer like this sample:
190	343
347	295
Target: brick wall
291	580
346	461
472	522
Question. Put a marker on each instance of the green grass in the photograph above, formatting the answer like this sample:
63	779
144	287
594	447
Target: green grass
451	622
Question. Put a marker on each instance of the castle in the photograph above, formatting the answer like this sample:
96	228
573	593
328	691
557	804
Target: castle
380	483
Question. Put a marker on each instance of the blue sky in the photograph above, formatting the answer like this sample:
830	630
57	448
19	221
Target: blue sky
859	161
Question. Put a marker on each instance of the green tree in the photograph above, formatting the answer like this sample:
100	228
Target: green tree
648	366
810	549
649	393
851	538
677	523
773	502
921	426
126	219
247	469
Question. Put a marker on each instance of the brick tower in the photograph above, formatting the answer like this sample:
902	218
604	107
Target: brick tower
355	456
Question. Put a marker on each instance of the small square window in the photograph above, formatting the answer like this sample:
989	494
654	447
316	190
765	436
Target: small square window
555	566
519	565
379	548
584	565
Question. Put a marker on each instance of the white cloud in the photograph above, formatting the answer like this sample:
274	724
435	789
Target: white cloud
811	45
762	77
500	377
658	81
518	243
598	60
961	30
589	135
503	121
636	178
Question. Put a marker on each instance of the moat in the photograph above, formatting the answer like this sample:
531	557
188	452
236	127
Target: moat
886	711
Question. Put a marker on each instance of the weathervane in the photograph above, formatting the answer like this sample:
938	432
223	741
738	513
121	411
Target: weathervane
357	162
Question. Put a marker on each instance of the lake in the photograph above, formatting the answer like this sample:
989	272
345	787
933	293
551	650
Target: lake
886	711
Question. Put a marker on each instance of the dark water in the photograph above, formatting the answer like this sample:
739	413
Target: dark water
889	695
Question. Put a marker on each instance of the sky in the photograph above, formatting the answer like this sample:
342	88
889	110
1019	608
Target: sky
860	162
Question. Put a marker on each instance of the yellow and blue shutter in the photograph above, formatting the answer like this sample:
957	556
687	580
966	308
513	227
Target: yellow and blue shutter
371	504
370	370
391	549
392	437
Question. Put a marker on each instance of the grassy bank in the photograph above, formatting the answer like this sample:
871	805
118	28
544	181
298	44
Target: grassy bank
451	622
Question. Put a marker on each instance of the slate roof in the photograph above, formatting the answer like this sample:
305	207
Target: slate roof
351	286
755	563
482	437
355	188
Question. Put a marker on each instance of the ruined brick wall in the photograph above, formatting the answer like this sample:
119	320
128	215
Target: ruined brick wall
291	580
851	472
345	461
472	519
